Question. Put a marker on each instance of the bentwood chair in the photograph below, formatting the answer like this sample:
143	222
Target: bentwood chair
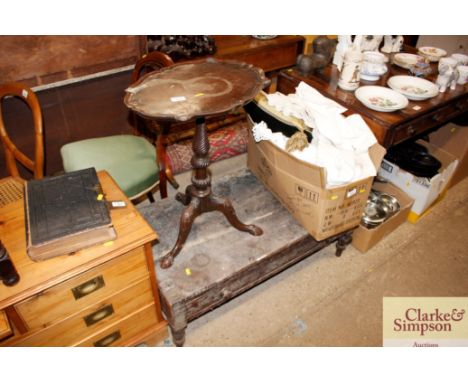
11	188
12	153
157	133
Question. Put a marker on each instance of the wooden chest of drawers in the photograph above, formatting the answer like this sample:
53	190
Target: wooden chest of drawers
105	295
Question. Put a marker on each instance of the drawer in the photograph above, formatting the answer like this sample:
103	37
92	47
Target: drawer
93	319
5	328
80	292
424	123
119	333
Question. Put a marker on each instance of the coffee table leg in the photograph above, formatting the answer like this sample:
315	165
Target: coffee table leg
177	318
343	241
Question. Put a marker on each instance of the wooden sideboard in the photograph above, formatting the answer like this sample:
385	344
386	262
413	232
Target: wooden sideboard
418	118
105	295
270	55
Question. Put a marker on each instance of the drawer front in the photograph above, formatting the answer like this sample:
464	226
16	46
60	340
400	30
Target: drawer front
93	319
5	329
65	299
119	333
425	123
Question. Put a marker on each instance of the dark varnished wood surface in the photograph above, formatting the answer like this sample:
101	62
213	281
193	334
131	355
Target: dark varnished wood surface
274	54
389	128
204	88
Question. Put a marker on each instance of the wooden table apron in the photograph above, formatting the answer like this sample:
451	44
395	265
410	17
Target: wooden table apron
389	128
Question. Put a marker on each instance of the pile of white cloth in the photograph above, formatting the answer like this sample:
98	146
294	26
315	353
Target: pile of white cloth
340	144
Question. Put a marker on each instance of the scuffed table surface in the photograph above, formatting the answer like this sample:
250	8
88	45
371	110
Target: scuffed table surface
215	249
218	262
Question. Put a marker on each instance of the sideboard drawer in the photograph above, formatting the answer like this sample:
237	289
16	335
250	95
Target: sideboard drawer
434	119
119	333
94	319
80	292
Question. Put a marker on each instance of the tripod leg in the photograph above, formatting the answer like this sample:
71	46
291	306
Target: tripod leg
225	206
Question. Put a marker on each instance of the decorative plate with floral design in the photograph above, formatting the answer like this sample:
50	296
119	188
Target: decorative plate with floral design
413	88
406	60
380	98
431	53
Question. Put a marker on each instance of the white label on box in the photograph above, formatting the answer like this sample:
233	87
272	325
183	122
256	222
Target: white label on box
386	166
351	192
178	99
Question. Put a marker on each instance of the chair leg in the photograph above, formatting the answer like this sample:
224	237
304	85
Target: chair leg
162	183
150	196
169	175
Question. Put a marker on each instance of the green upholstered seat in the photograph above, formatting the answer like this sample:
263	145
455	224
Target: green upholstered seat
129	159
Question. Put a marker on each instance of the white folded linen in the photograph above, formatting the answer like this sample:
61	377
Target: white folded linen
340	144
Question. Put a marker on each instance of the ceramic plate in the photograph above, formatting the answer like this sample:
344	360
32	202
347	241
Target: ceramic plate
431	53
380	98
414	88
406	60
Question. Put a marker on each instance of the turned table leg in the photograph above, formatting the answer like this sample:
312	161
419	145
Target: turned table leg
343	241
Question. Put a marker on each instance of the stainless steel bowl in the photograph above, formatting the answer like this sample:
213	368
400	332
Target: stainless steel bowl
374	214
391	202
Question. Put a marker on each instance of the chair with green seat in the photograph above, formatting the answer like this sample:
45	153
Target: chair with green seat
134	163
129	159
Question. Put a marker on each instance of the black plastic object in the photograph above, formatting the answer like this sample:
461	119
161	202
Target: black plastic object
415	159
8	273
274	124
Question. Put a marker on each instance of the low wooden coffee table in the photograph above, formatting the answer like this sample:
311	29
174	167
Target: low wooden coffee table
219	262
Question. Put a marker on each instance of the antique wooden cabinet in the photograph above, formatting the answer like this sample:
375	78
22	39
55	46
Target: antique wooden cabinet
105	295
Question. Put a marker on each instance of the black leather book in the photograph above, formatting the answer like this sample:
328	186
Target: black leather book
65	213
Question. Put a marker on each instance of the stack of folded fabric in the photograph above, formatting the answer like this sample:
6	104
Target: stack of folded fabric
340	144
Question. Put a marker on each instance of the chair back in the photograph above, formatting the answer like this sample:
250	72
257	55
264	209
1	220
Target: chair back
12	153
150	62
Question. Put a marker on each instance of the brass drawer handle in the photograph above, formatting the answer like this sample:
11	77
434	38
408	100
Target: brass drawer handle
411	130
107	340
98	315
437	117
88	287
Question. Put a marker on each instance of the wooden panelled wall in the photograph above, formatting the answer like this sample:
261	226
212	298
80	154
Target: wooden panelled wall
78	110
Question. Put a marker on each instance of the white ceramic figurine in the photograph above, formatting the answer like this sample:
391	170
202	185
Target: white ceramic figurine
448	74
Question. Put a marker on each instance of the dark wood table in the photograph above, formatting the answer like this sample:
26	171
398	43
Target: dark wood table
193	91
270	55
417	118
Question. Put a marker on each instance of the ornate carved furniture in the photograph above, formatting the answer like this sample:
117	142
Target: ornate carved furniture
194	91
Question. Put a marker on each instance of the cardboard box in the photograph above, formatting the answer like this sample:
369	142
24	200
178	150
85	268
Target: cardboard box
424	191
365	238
301	188
453	139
